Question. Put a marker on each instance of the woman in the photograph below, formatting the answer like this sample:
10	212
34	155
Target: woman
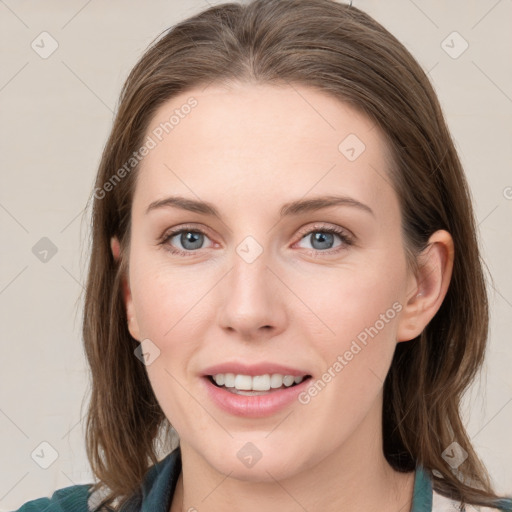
284	275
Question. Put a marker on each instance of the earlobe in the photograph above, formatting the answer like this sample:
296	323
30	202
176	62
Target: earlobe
115	247
429	288
133	325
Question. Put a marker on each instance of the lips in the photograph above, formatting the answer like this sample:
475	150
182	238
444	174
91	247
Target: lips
255	404
239	368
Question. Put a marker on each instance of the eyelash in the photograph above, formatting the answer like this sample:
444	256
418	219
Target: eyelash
346	240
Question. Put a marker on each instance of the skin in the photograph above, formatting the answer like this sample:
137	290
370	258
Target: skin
248	149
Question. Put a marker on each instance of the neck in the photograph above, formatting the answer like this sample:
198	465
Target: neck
354	477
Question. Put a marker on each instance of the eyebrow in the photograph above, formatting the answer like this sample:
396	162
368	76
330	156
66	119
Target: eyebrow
293	208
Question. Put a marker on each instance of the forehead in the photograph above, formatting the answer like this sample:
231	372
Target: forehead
246	142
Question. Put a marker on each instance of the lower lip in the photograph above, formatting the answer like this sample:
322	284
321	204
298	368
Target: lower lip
254	406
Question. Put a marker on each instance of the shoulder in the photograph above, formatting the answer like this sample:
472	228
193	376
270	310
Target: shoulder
69	499
156	492
441	503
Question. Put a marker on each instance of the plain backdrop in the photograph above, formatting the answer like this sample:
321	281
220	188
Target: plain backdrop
56	113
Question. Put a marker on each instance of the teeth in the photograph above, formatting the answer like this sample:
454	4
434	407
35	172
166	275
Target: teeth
256	383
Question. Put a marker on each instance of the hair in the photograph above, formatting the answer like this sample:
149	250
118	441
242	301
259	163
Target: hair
344	52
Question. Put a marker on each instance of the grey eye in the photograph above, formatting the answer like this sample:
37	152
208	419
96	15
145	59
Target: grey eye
190	240
321	240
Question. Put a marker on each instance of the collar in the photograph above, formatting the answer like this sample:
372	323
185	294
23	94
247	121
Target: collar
422	497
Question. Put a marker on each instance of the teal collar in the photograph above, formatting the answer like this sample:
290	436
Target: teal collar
422	498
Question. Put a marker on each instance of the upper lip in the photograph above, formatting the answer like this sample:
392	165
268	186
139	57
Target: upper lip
240	368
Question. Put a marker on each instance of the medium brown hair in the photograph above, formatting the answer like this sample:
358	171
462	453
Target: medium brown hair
344	52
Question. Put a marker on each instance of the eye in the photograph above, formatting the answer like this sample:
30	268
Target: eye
323	239
184	241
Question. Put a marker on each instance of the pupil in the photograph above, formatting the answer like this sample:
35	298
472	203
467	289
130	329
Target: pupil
324	239
192	237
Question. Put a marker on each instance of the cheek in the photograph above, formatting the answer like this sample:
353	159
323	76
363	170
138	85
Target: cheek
345	303
171	308
361	311
166	298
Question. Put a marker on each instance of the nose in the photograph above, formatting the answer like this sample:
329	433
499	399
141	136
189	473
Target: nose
251	300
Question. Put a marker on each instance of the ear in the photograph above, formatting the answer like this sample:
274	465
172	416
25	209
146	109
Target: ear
425	293
133	326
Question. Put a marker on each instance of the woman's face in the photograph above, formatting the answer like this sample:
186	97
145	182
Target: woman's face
266	283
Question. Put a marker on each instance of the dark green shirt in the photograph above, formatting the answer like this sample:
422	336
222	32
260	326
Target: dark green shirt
160	481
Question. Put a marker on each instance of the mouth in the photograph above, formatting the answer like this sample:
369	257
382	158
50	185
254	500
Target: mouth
257	395
254	394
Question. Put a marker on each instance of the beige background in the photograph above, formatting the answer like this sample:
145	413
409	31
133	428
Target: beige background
55	117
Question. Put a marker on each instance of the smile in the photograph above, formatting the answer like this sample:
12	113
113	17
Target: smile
262	383
254	396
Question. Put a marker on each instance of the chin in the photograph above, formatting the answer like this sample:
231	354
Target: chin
258	461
